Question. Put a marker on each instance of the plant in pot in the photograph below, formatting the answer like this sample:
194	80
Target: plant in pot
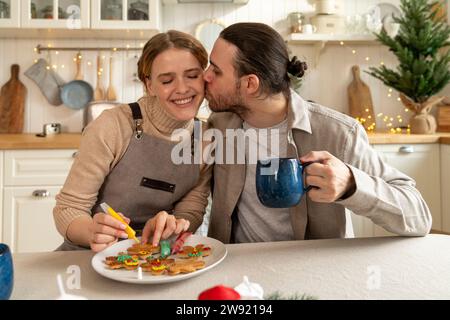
421	49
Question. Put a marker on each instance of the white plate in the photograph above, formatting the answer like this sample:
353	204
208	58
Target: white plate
218	253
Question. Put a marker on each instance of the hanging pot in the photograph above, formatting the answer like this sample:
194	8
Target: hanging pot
77	94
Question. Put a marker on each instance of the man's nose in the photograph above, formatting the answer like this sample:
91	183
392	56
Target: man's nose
207	75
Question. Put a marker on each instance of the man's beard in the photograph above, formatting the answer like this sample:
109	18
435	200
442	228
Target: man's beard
227	103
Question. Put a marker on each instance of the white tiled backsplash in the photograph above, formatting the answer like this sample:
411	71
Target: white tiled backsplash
326	84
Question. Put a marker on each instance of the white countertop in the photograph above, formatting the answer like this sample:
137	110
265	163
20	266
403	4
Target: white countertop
365	268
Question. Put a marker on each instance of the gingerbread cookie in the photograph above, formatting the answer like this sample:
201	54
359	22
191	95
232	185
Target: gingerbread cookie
143	251
186	266
198	251
122	260
157	267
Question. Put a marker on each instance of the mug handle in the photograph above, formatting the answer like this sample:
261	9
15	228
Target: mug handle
304	165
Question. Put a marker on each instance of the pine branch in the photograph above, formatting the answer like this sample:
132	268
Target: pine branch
296	296
423	68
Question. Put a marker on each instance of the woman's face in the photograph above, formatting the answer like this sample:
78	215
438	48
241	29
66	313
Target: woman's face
177	81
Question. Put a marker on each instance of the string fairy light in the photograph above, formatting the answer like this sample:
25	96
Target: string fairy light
394	124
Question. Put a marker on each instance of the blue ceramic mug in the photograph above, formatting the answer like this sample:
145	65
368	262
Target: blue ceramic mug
6	272
279	182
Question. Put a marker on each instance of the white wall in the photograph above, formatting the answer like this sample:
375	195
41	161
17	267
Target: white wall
326	84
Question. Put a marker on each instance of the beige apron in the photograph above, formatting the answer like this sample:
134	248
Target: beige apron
145	181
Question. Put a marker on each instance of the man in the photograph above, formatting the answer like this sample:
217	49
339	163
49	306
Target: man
248	88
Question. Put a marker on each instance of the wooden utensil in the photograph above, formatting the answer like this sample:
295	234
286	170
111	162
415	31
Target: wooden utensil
360	99
99	93
444	118
12	103
111	92
79	75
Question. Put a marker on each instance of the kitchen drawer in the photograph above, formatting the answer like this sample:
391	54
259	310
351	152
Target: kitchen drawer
37	167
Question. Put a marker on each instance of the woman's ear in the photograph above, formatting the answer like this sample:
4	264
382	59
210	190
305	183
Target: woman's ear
251	83
148	85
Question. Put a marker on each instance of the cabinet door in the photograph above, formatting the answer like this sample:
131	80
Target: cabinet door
445	185
422	163
68	14
37	167
126	14
28	219
9	14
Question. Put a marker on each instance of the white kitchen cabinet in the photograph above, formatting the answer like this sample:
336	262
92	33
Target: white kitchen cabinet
445	186
9	14
31	180
59	14
126	14
422	163
28	224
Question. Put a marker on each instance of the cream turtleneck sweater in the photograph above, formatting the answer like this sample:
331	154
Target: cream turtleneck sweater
103	144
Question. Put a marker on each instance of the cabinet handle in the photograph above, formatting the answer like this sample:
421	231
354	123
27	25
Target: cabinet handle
406	149
75	154
41	194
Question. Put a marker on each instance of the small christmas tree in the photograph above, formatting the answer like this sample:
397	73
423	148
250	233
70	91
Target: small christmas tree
424	68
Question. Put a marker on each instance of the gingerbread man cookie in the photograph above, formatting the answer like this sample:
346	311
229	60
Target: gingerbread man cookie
186	266
198	251
143	251
157	267
122	260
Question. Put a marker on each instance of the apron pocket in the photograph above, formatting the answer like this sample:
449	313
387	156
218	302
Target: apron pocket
157	184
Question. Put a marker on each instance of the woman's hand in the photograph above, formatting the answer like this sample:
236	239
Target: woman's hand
163	225
105	231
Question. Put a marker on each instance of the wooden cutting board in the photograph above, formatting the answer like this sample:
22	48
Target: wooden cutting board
12	103
360	99
444	118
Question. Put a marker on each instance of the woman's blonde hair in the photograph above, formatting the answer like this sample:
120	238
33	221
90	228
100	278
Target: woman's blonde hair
167	40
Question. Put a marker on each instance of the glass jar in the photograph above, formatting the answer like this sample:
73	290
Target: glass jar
296	21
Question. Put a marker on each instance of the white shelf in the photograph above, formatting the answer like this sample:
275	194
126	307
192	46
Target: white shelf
301	38
319	41
26	33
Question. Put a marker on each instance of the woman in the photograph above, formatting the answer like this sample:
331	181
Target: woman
125	156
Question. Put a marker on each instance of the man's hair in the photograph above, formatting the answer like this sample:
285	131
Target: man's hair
261	51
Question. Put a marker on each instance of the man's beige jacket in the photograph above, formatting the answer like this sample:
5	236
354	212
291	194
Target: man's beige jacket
383	194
